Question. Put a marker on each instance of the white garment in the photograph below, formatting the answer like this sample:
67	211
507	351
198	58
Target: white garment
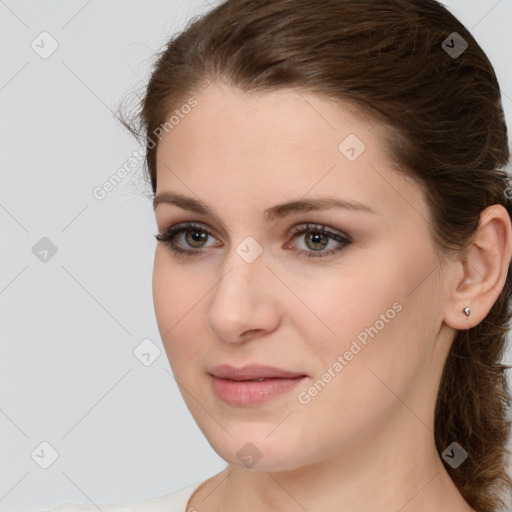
174	502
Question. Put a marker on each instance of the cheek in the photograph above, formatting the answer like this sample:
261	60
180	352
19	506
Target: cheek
164	294
364	315
177	302
347	302
368	345
175	289
383	351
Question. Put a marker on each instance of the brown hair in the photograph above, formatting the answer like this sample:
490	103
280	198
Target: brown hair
445	127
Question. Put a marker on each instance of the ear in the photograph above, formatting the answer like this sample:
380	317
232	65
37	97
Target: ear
483	269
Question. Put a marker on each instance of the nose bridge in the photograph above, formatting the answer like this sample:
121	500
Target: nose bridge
245	260
242	272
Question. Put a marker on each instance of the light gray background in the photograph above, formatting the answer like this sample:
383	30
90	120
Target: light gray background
68	374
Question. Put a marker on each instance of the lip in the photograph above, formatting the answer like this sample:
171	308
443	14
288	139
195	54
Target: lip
238	387
252	371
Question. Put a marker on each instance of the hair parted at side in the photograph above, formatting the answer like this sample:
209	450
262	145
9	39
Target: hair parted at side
444	125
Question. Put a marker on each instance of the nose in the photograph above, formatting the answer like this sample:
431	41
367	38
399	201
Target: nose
244	303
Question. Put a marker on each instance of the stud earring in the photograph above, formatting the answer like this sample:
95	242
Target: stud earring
466	311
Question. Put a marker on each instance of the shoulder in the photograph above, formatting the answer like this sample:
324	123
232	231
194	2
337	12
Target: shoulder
175	501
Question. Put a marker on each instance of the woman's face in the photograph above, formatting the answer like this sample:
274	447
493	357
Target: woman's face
353	314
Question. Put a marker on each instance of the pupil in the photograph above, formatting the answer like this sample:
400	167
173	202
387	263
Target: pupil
196	236
316	239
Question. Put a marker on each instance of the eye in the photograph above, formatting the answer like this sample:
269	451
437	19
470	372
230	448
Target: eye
317	238
195	236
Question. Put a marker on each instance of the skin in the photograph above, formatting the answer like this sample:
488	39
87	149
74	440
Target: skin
365	441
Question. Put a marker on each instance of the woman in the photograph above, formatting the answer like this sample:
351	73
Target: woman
331	278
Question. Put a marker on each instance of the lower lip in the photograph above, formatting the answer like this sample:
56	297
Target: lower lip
251	392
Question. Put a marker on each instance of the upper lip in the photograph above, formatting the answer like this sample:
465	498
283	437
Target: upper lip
252	371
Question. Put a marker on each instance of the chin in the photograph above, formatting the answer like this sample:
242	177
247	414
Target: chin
252	448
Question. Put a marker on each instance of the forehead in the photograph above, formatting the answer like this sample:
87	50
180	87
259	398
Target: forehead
264	148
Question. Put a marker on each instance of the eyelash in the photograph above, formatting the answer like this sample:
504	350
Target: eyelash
169	239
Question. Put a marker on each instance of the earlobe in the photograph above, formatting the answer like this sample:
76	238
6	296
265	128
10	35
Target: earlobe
484	270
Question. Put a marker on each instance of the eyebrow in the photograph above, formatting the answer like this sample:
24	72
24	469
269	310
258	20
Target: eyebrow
278	211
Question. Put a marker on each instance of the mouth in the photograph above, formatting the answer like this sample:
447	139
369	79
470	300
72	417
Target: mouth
252	372
252	384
